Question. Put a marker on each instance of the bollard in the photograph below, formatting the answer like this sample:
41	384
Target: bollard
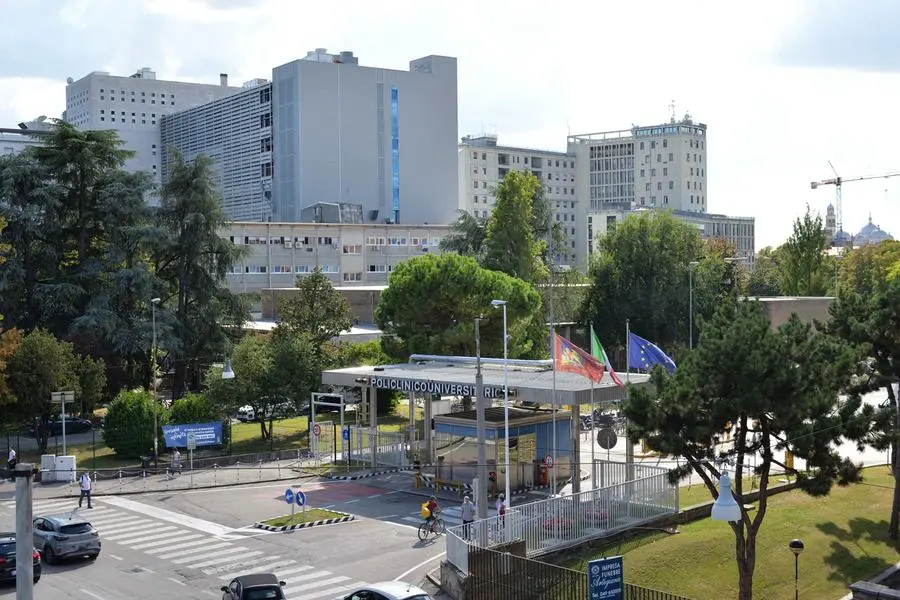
259	472
237	465
215	474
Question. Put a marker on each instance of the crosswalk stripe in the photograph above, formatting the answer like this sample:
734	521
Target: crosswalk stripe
137	525
185	552
205	540
303	578
343	589
311	592
267	568
222	560
168	540
115	519
126	537
220	553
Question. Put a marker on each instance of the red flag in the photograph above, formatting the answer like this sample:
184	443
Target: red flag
572	359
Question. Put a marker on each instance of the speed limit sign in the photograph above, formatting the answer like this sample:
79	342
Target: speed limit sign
317	430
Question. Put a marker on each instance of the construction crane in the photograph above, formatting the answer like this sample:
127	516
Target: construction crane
837	182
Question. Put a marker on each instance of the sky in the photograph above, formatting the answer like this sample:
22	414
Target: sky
785	86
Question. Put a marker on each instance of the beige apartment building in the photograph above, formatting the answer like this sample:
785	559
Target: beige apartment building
482	166
351	254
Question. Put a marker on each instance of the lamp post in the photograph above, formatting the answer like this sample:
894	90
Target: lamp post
496	304
725	508
153	303
691	266
796	547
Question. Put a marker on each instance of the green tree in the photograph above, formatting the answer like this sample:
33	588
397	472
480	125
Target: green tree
10	341
193	408
192	259
765	279
128	428
466	236
40	366
510	245
864	270
91	383
641	272
371	353
432	301
317	310
803	265
776	389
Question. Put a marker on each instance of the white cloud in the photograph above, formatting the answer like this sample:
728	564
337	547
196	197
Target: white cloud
532	71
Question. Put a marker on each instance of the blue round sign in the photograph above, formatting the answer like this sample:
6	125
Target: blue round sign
289	496
300	497
346	434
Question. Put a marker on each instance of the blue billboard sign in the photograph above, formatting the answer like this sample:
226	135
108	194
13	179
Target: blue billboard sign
606	579
205	434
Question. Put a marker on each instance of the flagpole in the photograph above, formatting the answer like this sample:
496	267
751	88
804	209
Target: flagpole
593	425
629	447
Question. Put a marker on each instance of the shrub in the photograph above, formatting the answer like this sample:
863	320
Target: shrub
129	424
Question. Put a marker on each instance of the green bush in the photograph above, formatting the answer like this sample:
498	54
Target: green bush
128	429
193	408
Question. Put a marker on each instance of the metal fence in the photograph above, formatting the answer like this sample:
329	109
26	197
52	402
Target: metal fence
610	472
507	575
391	447
564	521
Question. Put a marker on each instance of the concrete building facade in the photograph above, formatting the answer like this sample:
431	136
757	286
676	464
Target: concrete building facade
660	166
381	138
134	106
236	132
483	164
351	254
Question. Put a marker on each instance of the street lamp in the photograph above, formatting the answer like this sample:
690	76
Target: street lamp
691	266
153	303
227	372
725	508
497	304
796	547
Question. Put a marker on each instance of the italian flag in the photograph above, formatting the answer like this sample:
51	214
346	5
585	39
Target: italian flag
600	354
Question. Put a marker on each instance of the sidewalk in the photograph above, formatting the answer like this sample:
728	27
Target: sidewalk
283	470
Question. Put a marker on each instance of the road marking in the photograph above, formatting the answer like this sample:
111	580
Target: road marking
418	566
268	568
180	546
222	560
175	580
168	540
184	552
92	594
114	556
139	536
222	557
386	517
167	515
351	501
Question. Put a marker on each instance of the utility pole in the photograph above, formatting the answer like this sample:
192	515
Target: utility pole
24	534
481	501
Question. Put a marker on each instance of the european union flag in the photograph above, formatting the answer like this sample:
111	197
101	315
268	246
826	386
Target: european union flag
643	354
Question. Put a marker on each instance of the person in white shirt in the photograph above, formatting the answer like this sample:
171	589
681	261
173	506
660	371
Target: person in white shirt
11	464
176	461
85	482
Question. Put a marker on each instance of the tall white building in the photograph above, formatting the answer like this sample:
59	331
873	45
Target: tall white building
483	164
235	132
134	106
661	166
384	139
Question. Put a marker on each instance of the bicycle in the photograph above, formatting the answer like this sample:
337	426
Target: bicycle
435	526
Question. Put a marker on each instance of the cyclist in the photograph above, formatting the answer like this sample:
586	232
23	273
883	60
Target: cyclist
430	510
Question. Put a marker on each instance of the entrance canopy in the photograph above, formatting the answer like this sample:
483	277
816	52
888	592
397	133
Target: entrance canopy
526	384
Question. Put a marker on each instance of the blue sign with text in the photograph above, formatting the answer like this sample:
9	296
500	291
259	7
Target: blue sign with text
606	580
205	434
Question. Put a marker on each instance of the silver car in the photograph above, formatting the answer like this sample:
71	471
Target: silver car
65	536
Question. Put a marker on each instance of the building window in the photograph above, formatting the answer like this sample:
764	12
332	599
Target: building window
265	95
671	185
352	249
266	169
352	277
395	152
377	269
325	241
265	120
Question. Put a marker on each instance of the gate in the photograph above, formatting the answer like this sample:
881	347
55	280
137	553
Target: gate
391	447
325	447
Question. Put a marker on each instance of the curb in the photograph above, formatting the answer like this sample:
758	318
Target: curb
342	519
365	475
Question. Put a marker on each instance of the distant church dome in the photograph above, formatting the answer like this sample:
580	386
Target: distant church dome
871	234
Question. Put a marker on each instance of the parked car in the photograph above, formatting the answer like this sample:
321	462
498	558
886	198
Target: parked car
8	559
389	590
66	536
262	586
73	425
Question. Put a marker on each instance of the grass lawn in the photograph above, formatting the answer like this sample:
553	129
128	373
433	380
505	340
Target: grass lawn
301	516
845	534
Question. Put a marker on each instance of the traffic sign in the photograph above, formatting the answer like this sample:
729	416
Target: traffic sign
191	440
317	430
300	498
606	438
346	434
548	460
289	496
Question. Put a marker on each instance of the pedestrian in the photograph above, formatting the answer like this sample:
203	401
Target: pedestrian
11	464
501	508
467	514
85	490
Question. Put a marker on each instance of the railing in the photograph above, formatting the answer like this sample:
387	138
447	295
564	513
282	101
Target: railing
634	592
564	521
391	448
457	550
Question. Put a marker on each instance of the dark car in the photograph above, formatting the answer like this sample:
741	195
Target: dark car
262	586
8	559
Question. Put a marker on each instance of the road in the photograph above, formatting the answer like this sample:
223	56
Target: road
189	544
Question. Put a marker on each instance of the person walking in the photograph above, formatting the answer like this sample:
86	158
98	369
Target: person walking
85	490
467	514
11	464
